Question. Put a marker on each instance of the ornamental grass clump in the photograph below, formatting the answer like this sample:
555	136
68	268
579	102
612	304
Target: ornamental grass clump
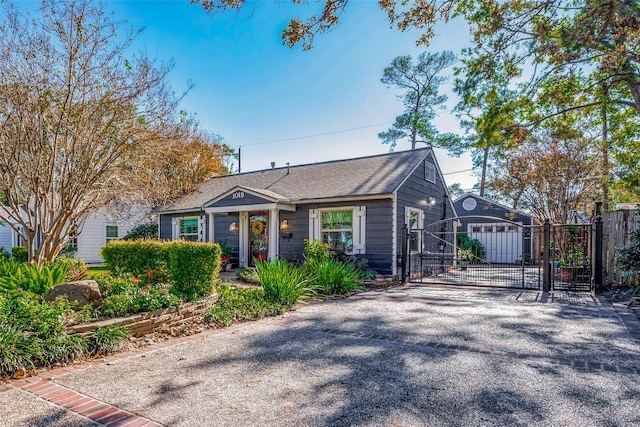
108	339
282	282
331	277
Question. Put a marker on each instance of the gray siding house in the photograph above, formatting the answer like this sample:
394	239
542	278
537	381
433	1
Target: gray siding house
357	205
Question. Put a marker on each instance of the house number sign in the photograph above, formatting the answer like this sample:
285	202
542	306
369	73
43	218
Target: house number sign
237	195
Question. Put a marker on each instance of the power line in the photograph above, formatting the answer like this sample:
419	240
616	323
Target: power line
313	136
454	172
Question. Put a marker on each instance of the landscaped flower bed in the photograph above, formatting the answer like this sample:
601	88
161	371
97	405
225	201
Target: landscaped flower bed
157	294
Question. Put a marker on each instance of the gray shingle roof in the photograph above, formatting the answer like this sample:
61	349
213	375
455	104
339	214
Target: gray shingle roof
373	175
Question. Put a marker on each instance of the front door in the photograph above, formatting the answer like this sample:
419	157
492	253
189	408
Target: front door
258	236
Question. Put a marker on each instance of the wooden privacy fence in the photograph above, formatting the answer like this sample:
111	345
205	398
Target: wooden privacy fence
617	227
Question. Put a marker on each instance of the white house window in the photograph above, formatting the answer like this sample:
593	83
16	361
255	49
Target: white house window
429	172
112	232
72	240
344	228
414	222
188	229
337	229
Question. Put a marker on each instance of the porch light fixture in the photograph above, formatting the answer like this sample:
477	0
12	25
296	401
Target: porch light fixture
284	229
233	226
428	202
441	247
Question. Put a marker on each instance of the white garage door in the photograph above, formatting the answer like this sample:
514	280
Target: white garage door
501	241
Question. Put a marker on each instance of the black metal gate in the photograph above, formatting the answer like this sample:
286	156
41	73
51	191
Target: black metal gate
571	248
491	251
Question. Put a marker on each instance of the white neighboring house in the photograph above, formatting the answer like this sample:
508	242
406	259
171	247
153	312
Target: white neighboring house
97	230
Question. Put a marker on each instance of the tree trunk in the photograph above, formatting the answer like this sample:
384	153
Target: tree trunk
485	159
605	152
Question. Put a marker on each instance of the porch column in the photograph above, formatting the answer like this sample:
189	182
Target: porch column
274	235
212	231
243	236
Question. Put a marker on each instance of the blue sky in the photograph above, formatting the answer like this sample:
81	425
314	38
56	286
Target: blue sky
287	105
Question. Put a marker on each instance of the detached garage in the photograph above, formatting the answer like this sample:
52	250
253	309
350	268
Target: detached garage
505	234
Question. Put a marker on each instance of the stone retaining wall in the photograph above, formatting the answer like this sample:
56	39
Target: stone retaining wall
147	323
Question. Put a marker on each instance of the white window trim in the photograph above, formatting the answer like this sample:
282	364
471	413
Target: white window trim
358	225
107	239
176	227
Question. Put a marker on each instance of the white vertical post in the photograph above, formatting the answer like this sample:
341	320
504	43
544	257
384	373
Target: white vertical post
455	244
243	236
274	235
212	231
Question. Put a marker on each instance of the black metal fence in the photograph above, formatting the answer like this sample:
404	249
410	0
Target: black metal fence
489	251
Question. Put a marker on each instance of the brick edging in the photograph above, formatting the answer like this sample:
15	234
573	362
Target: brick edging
87	407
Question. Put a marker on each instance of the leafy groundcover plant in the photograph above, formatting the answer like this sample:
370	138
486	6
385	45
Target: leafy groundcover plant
33	334
131	294
238	305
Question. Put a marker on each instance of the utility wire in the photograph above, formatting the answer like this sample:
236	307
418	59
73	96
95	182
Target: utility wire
313	136
454	172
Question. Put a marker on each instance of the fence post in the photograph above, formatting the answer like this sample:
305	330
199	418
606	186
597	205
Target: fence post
597	258
546	250
405	236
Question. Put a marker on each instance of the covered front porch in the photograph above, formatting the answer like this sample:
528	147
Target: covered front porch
250	222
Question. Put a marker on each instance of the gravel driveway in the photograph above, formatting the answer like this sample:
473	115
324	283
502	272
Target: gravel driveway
406	356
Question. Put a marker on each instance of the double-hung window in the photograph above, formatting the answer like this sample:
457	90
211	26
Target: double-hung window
337	229
344	228
188	229
112	233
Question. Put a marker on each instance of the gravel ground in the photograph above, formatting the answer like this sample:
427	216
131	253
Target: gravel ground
407	356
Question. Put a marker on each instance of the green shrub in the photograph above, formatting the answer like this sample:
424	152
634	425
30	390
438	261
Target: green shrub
193	268
317	250
135	256
107	339
629	260
473	247
629	257
332	277
20	254
31	278
68	251
147	230
4	254
32	333
238	305
283	282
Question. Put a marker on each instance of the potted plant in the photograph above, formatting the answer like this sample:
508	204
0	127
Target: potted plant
464	257
225	257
